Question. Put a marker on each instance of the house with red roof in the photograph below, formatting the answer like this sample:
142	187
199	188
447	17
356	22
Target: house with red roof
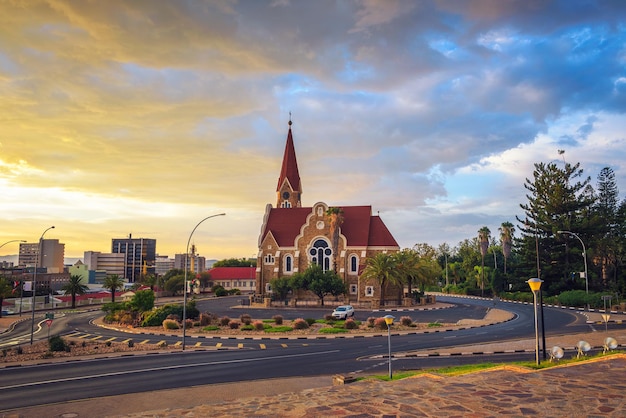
293	236
242	278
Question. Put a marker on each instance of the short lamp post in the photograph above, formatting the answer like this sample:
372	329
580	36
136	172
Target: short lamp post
535	286
389	321
34	289
185	282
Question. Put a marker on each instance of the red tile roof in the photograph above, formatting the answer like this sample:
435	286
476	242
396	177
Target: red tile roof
230	273
360	228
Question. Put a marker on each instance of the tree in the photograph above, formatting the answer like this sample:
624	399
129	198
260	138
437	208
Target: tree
142	301
484	234
382	268
74	287
281	287
235	262
113	282
5	291
506	240
607	237
175	284
335	217
325	283
558	200
407	263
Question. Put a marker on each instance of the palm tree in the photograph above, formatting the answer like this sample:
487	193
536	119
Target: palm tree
113	282
74	287
506	238
483	237
335	218
382	268
5	291
407	264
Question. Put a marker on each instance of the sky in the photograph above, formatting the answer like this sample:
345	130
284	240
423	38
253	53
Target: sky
145	117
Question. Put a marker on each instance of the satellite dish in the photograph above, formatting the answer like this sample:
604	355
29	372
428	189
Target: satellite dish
556	353
583	347
609	344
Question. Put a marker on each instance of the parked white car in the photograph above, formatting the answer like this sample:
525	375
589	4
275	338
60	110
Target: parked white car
343	312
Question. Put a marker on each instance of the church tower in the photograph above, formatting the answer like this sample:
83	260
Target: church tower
289	188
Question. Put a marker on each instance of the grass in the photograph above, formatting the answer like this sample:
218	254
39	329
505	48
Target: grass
471	368
281	328
332	330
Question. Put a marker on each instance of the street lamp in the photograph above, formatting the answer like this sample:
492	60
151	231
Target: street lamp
34	289
13	240
389	321
535	286
185	282
584	255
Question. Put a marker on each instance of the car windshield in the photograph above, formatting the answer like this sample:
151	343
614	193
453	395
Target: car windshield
341	308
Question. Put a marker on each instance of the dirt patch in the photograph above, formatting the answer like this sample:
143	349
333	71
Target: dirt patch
493	316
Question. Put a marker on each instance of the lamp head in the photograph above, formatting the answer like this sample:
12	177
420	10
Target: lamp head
389	319
535	284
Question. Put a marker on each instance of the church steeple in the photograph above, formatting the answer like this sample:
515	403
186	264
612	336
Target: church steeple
289	188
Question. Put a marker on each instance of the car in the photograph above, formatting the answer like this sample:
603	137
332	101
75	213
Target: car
343	312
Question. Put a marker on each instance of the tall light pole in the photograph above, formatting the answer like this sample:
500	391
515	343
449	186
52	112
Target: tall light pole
389	321
21	286
185	282
34	289
535	285
584	256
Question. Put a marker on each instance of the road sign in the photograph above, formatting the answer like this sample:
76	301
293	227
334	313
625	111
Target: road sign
49	322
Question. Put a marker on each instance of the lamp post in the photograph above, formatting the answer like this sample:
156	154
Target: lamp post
584	256
389	321
535	286
32	323
21	286
185	282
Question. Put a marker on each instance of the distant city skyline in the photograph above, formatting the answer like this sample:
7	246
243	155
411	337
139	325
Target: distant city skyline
137	118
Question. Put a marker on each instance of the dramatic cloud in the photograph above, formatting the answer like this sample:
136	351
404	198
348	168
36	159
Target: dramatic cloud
143	117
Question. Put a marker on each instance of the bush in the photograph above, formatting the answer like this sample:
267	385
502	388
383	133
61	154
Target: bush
380	323
156	317
224	321
220	291
350	324
300	324
406	321
233	324
371	321
258	325
131	343
205	319
310	321
56	343
245	319
170	324
188	323
278	319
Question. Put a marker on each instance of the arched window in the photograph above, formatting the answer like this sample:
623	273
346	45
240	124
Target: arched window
320	254
288	263
354	264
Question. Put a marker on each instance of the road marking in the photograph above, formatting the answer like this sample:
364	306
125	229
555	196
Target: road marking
218	345
240	345
111	339
284	345
173	367
84	336
145	342
263	347
178	343
126	340
197	344
97	337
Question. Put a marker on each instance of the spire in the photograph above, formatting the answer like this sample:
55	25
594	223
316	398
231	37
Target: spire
289	187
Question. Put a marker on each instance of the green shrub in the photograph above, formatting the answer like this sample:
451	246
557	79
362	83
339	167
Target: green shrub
156	317
224	321
170	324
220	291
278	319
332	330
211	328
56	343
310	321
300	323
434	325
282	328
247	327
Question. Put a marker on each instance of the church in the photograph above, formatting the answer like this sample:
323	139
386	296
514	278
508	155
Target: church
336	238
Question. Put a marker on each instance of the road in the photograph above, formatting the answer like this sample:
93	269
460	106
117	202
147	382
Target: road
60	382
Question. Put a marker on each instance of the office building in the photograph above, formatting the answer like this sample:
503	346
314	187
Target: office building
140	256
